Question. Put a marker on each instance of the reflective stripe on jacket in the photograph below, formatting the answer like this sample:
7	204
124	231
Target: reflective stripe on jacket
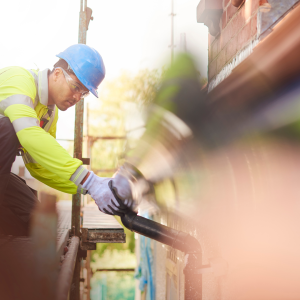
24	100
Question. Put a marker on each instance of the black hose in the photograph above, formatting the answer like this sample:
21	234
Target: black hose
178	240
166	235
156	231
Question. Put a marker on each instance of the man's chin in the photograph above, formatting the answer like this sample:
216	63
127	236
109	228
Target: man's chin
63	107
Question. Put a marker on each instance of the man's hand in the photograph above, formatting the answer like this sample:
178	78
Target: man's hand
129	186
98	188
122	189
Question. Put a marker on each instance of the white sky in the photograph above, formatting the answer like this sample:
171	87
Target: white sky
129	35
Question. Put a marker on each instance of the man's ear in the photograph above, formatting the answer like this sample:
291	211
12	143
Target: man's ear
56	74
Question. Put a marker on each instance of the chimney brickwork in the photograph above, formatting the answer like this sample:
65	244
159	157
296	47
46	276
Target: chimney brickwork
238	27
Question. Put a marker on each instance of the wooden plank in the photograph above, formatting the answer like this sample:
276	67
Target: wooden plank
96	226
93	218
101	228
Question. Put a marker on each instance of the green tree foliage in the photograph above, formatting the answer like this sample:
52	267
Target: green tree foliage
113	286
107	117
140	88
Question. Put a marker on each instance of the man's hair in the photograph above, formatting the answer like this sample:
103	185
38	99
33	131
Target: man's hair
64	65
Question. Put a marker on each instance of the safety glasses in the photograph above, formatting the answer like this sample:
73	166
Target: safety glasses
74	86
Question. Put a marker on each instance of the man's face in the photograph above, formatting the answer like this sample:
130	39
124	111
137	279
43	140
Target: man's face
63	93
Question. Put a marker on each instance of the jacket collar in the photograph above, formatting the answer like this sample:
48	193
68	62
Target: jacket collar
42	87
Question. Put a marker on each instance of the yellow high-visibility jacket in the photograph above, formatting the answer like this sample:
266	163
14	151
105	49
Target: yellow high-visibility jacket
24	100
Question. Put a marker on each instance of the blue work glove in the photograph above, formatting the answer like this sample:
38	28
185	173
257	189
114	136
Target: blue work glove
98	188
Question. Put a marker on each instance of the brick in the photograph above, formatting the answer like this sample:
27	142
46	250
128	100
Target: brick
231	11
210	39
225	3
251	6
254	25
230	32
215	49
224	19
244	36
221	60
238	21
212	69
231	48
254	6
225	36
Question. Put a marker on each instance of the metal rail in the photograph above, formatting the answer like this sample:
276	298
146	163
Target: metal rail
78	134
115	270
85	13
67	269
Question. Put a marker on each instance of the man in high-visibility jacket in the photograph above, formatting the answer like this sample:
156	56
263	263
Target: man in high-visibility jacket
29	103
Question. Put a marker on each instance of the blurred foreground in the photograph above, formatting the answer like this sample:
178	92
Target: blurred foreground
229	171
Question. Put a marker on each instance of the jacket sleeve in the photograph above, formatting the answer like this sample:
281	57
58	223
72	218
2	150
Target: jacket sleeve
51	179
41	145
45	176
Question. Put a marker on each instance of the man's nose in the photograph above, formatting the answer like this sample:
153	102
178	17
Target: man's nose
77	97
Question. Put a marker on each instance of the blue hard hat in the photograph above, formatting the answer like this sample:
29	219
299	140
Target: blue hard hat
87	64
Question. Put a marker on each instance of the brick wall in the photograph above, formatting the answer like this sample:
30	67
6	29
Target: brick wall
238	27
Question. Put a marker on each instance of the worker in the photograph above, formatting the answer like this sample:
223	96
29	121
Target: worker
29	103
